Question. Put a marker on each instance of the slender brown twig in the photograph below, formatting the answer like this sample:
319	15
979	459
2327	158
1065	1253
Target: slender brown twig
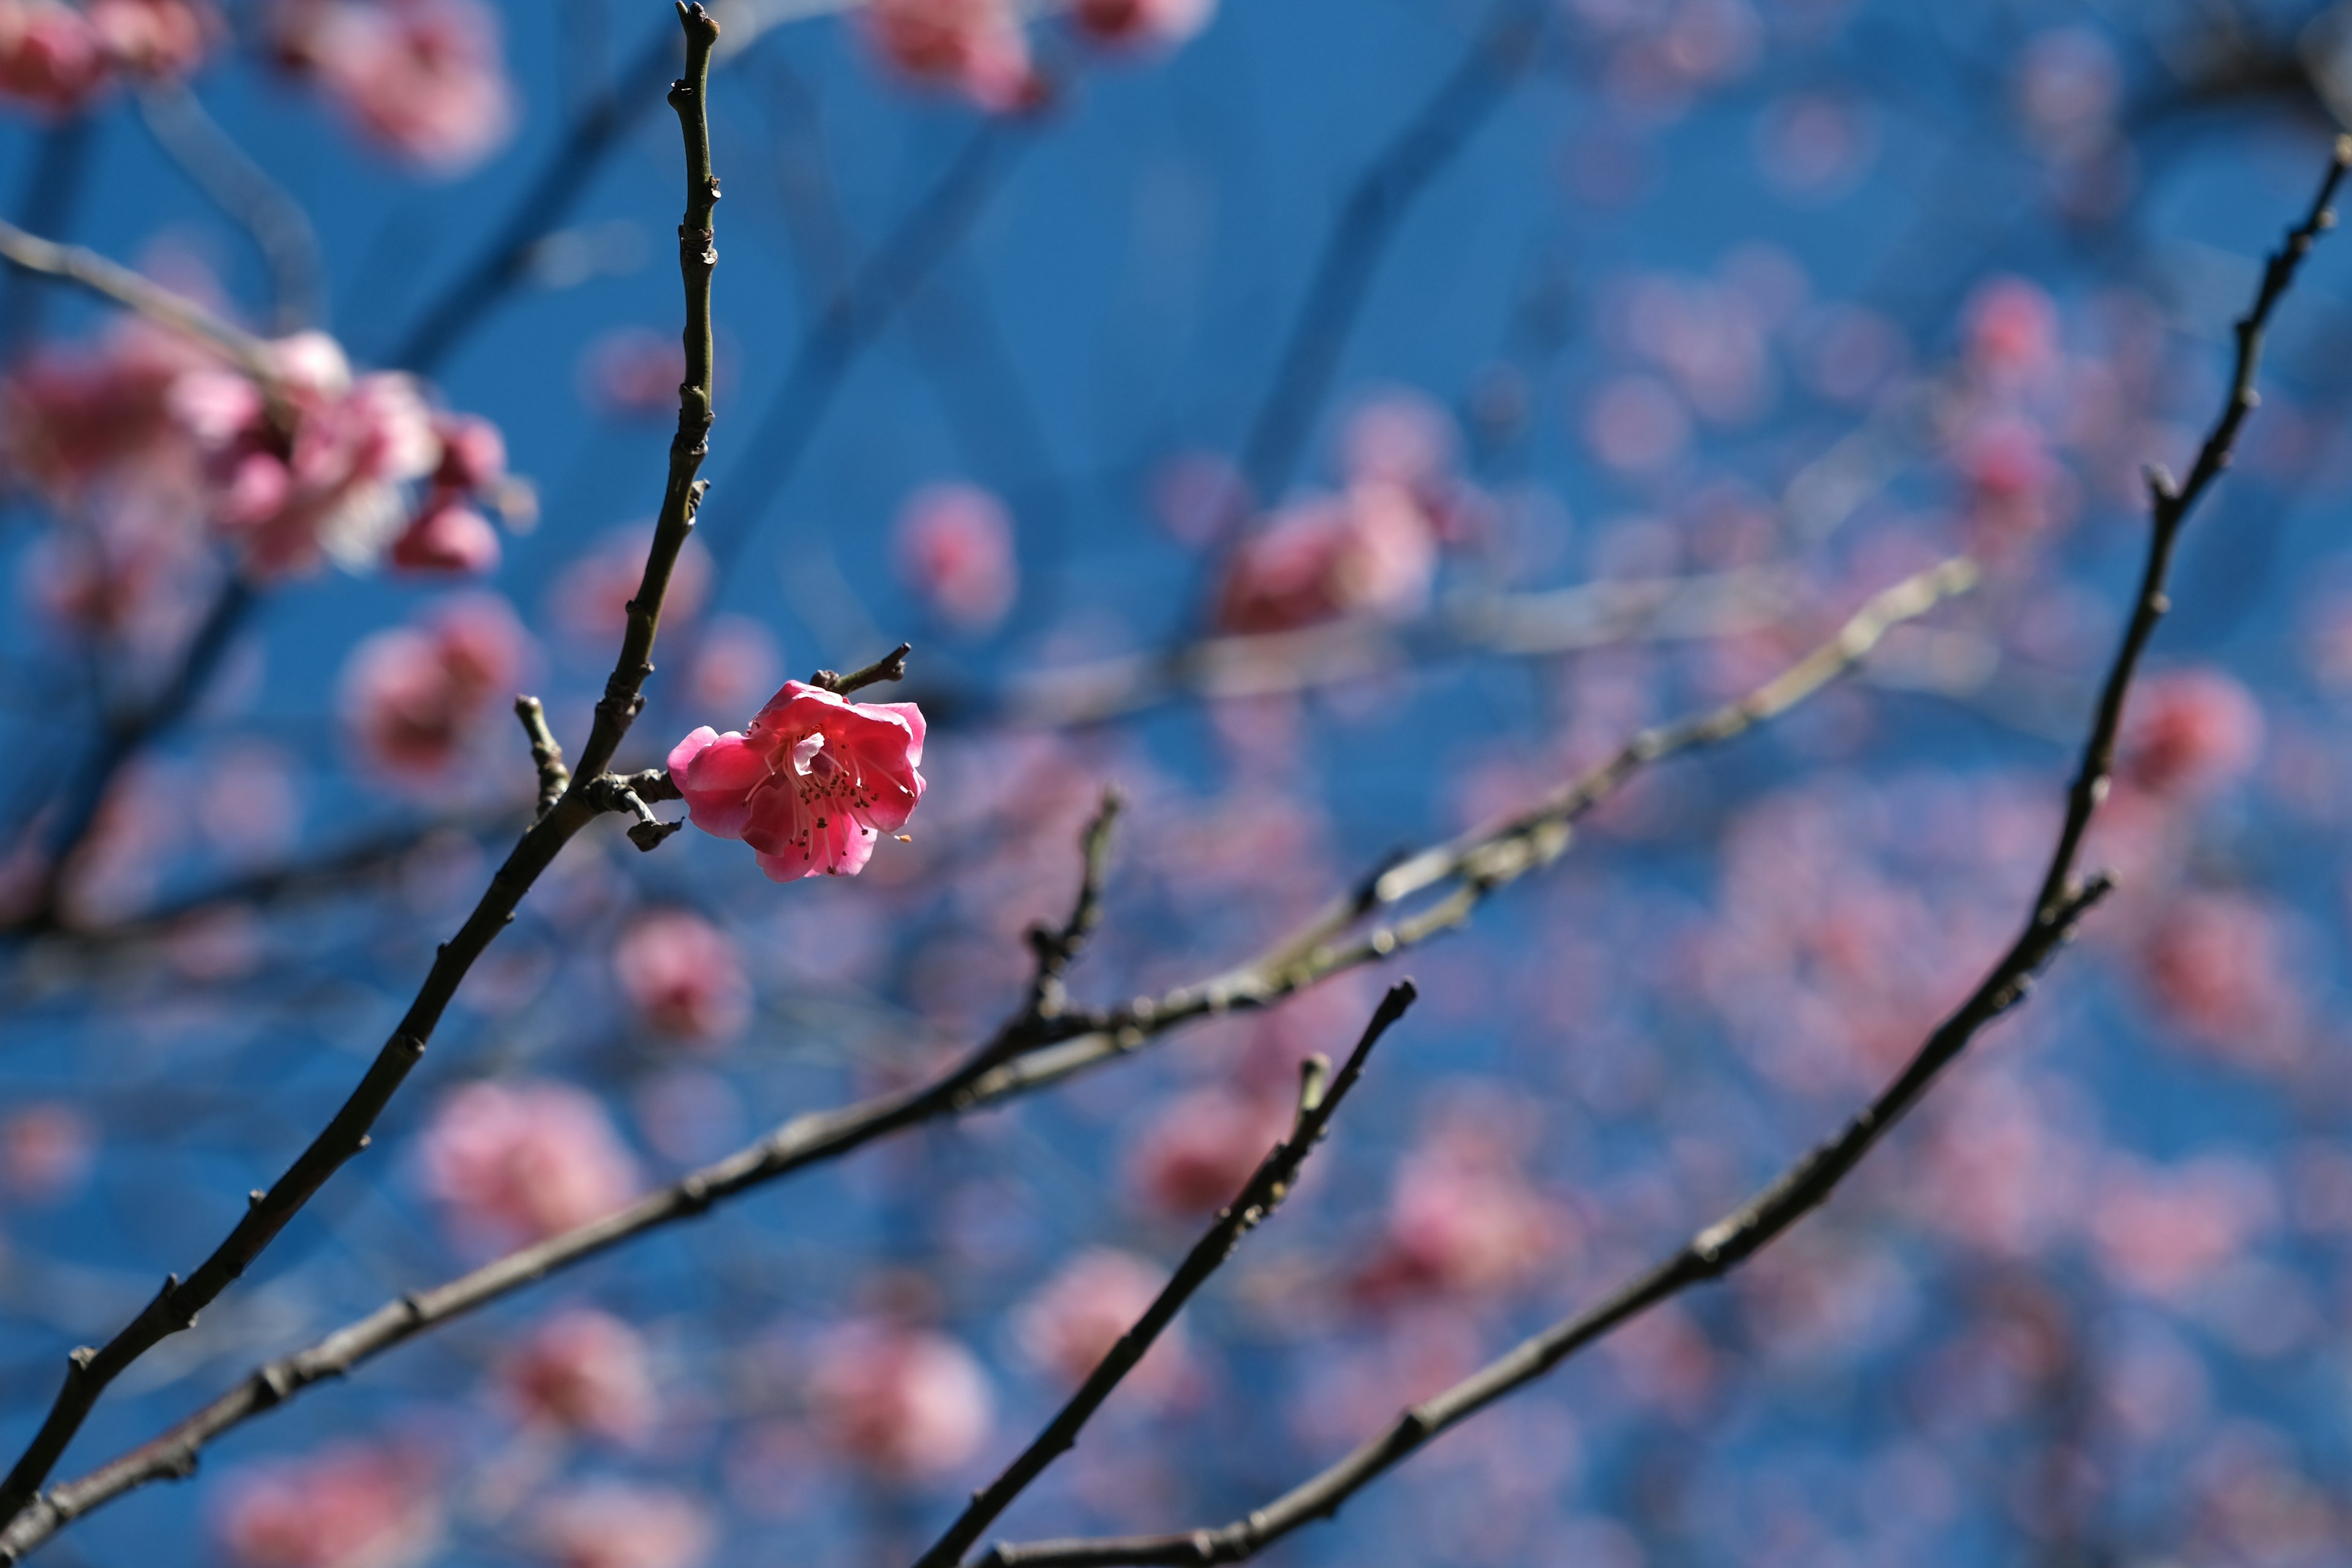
1805	1184
174	1307
1257	1199
1033	1049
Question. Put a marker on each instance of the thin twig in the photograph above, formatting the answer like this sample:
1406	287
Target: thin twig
174	1307
242	189
74	264
546	752
1044	1051
891	666
1257	1199
1805	1184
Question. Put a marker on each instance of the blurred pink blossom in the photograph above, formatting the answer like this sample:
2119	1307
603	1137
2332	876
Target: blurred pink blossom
584	1371
45	1150
1462	1218
974	47
1370	551
2190	732
346	1506
683	976
414	696
57	57
425	79
591	599
2011	332
450	537
735	660
955	549
522	1161
812	786
1075	1317
632	371
2164	1232
609	1524
907	1403
1142	24
2217	963
1198	1148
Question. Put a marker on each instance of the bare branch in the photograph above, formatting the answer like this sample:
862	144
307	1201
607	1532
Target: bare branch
73	264
1259	1198
1805	1184
175	1306
1027	1053
891	666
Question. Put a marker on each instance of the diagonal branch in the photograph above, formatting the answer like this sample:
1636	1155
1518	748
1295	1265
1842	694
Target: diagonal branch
1259	1196
175	1306
1804	1186
1026	1054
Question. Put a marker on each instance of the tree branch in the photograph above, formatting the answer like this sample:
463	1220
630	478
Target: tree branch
175	1306
1257	1199
1809	1182
1026	1054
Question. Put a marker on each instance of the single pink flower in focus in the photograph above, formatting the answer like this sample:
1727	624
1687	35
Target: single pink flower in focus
1075	1318
425	79
520	1162
609	1524
584	1371
415	695
1142	24
451	537
1195	1154
906	1402
682	975
812	786
343	1506
955	548
2190	732
975	47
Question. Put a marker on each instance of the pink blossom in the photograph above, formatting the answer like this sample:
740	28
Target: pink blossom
45	1150
633	370
1462	1218
450	537
518	1162
323	470
154	39
423	78
2165	1232
612	1525
812	786
955	548
584	1371
413	695
2012	331
1142	24
51	56
592	597
905	1402
2217	963
1076	1317
2190	732
975	47
682	975
340	1507
74	420
1372	551
1197	1152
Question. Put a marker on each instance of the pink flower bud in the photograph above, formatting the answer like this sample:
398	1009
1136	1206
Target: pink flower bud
447	537
2190	732
473	453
